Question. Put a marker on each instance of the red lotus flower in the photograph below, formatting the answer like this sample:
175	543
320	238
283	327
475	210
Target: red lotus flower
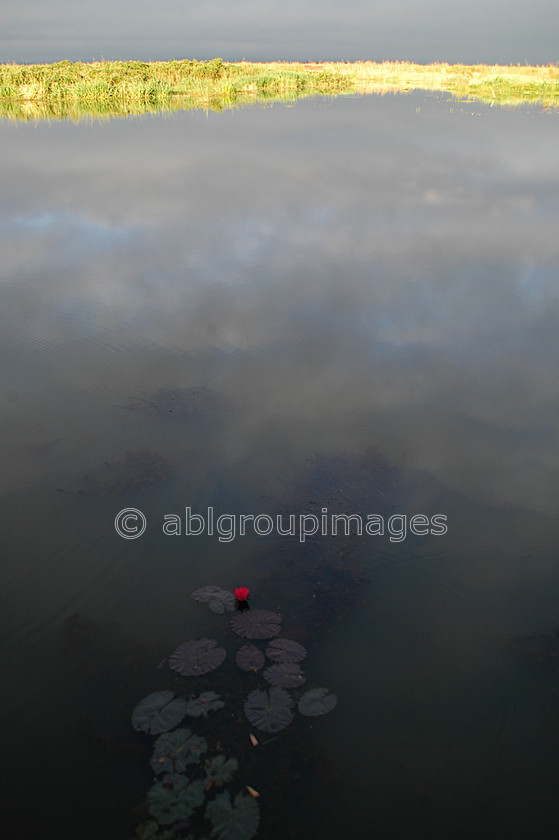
242	593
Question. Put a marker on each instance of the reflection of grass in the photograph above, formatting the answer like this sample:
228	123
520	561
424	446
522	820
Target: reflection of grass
108	109
119	88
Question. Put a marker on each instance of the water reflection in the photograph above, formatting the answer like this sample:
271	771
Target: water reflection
193	308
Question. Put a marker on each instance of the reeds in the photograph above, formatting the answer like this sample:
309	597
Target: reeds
111	88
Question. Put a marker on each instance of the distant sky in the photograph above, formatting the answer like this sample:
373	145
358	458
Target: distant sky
469	31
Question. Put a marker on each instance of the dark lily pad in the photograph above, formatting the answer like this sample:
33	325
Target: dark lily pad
158	712
174	751
174	798
250	658
220	770
285	650
316	702
256	624
197	657
208	701
219	600
237	821
285	675
269	711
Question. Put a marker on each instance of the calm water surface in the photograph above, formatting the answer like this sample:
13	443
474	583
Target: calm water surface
349	304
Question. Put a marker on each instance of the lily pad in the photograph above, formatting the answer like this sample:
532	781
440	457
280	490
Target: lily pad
233	821
285	675
174	751
197	657
250	658
174	798
220	770
219	600
256	624
158	712
208	701
285	650
269	711
316	702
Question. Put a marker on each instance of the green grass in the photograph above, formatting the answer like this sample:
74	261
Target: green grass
120	88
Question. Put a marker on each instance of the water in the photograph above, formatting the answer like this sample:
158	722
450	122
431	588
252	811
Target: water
349	304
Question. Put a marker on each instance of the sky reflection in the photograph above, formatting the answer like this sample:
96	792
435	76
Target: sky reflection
380	268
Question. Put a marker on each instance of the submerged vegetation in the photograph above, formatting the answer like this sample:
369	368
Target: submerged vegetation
121	88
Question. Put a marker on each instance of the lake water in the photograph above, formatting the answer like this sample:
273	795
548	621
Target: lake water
346	306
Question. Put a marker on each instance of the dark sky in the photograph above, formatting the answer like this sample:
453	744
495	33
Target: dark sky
488	31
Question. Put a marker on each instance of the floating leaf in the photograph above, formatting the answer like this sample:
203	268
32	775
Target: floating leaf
174	751
219	600
285	675
220	770
237	821
269	711
285	650
197	657
316	702
249	658
208	701
158	713
174	798
256	624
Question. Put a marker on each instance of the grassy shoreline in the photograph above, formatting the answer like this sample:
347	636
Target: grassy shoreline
122	87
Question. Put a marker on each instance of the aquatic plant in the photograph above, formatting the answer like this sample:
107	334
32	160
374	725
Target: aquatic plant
174	751
250	658
196	657
174	798
220	770
285	650
285	675
269	711
256	624
158	712
208	701
317	701
233	821
241	593
219	600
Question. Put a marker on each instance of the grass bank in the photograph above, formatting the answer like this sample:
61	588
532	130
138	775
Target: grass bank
114	88
502	84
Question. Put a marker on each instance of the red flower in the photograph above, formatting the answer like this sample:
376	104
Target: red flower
242	593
